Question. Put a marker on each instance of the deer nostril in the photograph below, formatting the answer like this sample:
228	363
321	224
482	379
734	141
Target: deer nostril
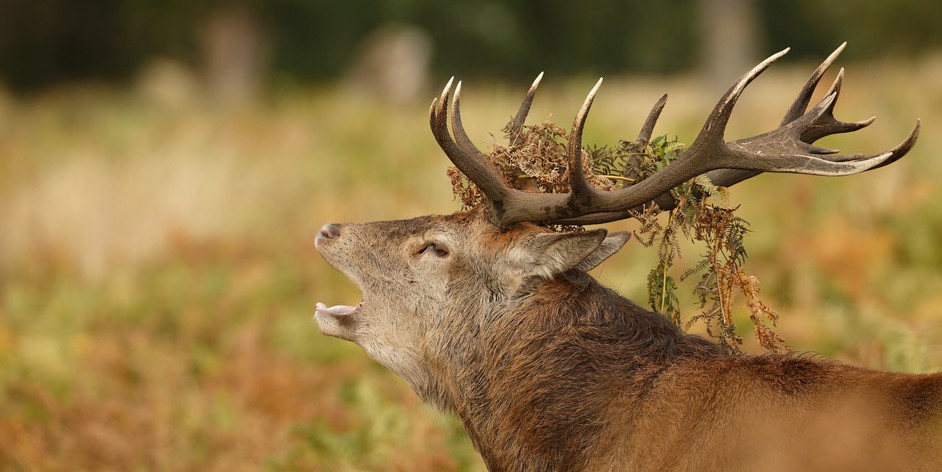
328	231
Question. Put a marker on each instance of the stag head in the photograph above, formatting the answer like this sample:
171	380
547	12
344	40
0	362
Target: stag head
422	278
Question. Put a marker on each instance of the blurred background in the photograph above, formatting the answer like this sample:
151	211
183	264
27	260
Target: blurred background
164	167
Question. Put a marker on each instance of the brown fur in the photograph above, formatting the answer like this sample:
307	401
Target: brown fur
560	373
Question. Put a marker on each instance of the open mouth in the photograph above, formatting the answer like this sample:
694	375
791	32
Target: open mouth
337	311
338	321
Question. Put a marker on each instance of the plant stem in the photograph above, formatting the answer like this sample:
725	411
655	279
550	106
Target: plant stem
617	177
670	220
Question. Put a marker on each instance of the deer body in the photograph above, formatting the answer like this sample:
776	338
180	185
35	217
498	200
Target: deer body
496	319
556	372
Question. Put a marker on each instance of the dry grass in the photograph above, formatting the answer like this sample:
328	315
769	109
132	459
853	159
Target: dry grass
157	275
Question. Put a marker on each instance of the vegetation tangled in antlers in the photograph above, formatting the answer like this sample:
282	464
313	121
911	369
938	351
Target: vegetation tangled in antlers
527	181
538	162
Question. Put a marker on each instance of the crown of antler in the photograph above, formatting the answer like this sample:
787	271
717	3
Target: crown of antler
788	148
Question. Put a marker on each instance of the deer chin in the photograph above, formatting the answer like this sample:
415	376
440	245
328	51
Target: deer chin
337	321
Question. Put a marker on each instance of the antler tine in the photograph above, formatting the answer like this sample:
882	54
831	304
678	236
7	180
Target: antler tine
521	117
716	123
474	168
827	124
804	96
902	148
577	181
435	113
464	142
648	128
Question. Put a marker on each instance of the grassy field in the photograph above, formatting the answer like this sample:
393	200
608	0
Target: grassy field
158	277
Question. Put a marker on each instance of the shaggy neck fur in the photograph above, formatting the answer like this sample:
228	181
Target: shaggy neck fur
534	379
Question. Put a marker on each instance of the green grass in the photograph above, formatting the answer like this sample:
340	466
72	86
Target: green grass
157	272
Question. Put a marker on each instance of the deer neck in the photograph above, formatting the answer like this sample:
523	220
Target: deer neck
536	383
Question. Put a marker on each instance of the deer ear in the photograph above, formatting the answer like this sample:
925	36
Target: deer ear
610	245
550	254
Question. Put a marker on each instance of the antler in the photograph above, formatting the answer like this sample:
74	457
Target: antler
788	148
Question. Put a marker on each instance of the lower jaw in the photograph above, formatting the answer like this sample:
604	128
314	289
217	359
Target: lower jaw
331	326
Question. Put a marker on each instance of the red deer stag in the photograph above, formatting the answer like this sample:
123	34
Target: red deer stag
493	317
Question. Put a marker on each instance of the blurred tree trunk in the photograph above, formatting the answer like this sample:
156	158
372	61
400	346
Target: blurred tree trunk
235	54
730	39
392	64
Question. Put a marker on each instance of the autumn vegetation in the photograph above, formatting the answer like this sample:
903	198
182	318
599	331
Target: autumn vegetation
158	277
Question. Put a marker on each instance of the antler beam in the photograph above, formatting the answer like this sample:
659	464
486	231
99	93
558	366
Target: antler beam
788	149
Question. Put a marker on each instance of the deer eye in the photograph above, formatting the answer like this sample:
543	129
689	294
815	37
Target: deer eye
432	248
